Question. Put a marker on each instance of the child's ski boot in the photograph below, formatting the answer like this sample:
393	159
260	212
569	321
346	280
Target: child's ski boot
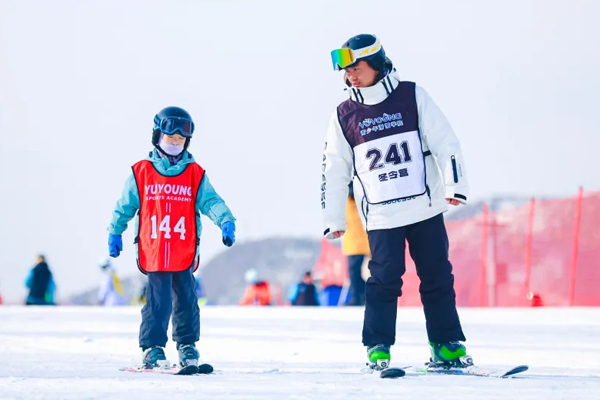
154	357
188	355
449	355
379	357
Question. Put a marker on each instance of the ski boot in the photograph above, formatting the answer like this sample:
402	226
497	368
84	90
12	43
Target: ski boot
379	357
188	355
154	357
449	355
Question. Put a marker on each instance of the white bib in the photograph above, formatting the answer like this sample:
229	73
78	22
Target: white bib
391	167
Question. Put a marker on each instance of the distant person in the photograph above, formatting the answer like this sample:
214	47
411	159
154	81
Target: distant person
305	292
141	297
333	296
40	284
355	245
110	292
200	291
258	292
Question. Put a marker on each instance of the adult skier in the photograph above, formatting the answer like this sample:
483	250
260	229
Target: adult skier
406	164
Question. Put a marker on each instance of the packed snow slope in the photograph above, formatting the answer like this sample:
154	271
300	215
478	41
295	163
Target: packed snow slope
294	353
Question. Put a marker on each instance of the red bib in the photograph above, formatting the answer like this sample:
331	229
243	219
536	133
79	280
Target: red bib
168	236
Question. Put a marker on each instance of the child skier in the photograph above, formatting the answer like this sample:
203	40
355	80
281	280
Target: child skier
167	191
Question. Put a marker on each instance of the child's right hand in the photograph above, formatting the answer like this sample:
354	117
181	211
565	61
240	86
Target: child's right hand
115	245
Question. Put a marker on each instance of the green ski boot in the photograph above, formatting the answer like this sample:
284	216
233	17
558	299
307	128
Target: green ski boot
450	354
379	356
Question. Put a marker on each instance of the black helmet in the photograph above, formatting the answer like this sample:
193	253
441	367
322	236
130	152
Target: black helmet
172	120
376	61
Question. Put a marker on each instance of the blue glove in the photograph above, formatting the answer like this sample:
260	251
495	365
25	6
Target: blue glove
228	229
115	245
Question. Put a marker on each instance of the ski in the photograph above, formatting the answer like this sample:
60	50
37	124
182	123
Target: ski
385	373
391	373
469	370
202	369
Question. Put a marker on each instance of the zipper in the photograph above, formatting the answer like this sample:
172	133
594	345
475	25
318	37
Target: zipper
454	171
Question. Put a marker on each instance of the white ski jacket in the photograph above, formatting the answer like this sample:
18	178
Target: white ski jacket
446	175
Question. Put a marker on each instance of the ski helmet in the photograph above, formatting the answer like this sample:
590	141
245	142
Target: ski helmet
251	276
367	43
172	120
104	263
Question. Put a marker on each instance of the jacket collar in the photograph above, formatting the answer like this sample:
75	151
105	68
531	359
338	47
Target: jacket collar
377	93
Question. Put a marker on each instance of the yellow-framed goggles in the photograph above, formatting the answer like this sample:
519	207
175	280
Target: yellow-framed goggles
342	58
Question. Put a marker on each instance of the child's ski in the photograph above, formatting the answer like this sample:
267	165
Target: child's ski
174	370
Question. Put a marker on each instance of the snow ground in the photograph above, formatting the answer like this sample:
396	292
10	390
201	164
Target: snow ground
294	353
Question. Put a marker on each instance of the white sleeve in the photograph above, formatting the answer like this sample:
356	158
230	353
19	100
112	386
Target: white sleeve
337	173
444	145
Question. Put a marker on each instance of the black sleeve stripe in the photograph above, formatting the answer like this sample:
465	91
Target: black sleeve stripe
454	171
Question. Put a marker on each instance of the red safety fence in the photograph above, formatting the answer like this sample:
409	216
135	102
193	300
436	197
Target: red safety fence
331	267
546	252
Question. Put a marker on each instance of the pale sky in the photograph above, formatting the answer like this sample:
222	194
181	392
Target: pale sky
80	82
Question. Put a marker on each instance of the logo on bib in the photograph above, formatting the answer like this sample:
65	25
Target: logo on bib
169	192
386	121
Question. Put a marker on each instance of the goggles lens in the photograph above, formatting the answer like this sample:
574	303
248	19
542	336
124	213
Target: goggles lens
173	125
341	58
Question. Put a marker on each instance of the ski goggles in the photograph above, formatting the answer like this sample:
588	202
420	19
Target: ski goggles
343	58
173	125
